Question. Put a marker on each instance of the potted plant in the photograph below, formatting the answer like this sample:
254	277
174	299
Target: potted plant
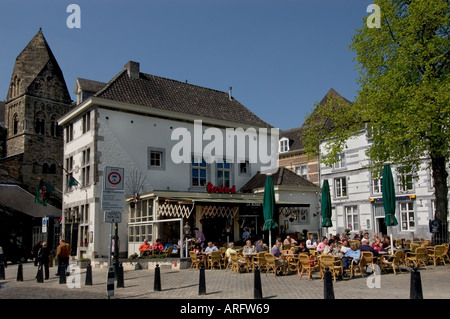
83	262
347	231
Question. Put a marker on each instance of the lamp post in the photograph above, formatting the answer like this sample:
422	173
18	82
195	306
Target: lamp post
187	231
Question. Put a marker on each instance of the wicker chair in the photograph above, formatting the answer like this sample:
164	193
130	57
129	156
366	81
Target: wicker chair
305	265
334	265
260	260
236	263
195	261
215	258
419	257
271	264
394	262
437	254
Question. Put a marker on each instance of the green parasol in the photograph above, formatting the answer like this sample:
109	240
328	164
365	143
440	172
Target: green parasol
326	205
388	191
268	207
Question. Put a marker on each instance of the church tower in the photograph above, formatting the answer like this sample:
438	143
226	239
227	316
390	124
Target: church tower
36	98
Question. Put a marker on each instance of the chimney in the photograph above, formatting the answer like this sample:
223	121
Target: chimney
229	93
132	69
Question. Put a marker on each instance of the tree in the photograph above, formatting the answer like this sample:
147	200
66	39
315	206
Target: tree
403	101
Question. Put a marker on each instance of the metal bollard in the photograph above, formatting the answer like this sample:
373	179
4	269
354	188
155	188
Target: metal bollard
416	285
2	271
62	273
120	276
257	294
20	272
40	273
88	281
157	283
202	281
110	282
138	266
328	285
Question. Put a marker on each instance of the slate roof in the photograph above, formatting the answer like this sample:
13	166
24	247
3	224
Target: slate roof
295	138
90	85
283	177
175	96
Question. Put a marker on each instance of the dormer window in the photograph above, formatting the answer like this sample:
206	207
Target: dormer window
284	145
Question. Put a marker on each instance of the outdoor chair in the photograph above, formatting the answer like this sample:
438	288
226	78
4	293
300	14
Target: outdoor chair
446	245
259	260
215	258
369	260
168	252
195	260
419	257
394	262
271	263
236	263
334	265
356	266
305	266
437	254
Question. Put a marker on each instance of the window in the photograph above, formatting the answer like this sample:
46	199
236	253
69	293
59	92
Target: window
86	122
15	124
340	187
224	174
39	126
376	185
407	219
156	158
54	128
284	145
405	182
340	161
302	170
86	169
198	172
352	217
141	213
69	133
244	168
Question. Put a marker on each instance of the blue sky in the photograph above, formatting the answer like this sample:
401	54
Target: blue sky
279	56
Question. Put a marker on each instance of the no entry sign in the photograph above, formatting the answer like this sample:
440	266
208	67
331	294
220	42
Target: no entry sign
114	178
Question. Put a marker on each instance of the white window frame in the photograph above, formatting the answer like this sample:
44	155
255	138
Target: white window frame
407	216
340	161
352	217
284	145
340	191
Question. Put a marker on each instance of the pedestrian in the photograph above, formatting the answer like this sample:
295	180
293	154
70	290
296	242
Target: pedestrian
44	259
199	238
35	251
63	254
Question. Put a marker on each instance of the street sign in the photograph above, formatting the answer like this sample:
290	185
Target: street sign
113	217
114	178
113	200
44	224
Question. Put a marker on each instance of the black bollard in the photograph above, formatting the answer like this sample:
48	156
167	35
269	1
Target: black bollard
2	271
20	272
138	266
257	294
88	281
120	276
202	281
416	285
157	283
328	284
40	274
62	274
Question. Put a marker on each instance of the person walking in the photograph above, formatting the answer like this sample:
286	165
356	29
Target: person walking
43	257
63	254
35	251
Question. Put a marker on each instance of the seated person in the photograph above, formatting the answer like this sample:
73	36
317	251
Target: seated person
260	246
210	248
365	247
289	241
145	248
331	249
321	246
302	249
276	252
352	253
344	247
249	248
230	250
157	246
311	243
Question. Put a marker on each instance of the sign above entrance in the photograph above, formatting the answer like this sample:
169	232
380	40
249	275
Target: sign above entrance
220	189
114	178
113	217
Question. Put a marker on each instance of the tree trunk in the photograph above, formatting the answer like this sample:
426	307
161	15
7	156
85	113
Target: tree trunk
439	171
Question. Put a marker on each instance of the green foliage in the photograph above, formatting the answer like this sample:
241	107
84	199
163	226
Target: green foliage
403	101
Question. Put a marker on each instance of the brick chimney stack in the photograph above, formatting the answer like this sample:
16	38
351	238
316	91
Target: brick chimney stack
132	69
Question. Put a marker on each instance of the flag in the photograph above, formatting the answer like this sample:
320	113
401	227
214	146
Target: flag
72	181
44	189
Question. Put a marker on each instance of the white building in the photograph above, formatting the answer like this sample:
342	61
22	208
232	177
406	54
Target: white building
166	135
357	199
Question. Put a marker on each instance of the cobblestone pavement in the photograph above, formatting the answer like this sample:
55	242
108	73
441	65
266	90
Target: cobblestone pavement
221	284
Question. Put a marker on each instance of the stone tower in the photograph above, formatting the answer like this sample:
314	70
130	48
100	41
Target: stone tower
36	98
